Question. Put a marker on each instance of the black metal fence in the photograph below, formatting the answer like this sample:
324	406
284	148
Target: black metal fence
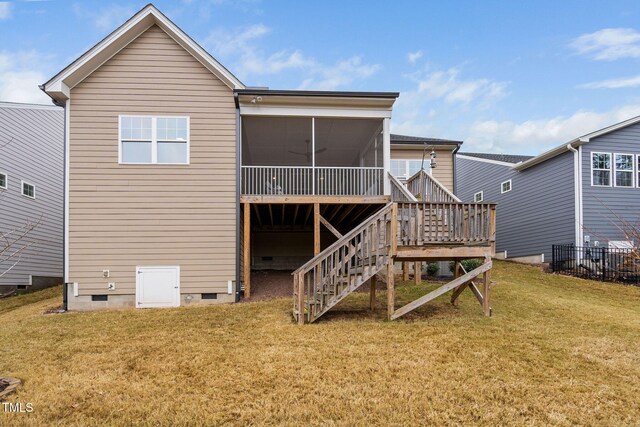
596	263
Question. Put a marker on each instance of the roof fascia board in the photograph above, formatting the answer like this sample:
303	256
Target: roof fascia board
480	159
293	111
415	146
548	154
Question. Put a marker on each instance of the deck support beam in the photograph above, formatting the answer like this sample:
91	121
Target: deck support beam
417	272
247	250
372	293
391	292
316	229
486	300
444	289
405	271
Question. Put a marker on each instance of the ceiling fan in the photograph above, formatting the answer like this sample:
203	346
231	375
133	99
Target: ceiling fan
307	153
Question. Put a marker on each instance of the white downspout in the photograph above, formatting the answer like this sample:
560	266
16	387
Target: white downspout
577	177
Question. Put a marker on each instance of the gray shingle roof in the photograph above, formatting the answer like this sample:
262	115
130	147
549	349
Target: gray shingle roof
508	158
406	139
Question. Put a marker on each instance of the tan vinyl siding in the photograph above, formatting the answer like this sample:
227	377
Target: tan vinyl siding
444	169
121	216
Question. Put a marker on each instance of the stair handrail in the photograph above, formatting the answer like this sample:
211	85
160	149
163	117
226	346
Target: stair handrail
424	177
395	183
313	261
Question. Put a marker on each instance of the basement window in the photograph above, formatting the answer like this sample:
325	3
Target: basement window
505	187
28	190
154	140
3	181
601	169
624	170
99	297
478	197
209	296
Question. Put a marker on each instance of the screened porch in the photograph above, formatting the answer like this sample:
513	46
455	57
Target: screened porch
312	156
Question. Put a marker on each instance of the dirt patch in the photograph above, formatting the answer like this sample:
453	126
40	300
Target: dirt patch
54	310
269	284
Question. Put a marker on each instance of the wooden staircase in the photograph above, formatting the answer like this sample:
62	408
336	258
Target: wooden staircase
343	267
424	222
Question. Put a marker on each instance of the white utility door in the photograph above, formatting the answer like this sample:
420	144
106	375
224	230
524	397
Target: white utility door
157	287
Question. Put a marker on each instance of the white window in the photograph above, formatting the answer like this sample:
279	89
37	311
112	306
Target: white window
28	190
601	169
638	170
154	140
405	168
3	180
623	165
505	187
478	197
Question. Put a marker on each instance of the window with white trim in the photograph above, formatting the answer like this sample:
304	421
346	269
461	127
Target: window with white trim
601	169
505	187
638	170
623	166
28	190
406	168
3	181
154	140
478	197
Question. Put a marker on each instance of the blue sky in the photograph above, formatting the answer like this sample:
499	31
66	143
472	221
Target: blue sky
510	77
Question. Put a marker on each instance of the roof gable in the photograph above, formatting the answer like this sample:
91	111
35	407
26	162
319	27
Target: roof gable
60	85
575	143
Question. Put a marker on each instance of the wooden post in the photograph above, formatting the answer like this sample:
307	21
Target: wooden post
486	300
492	229
301	298
316	229
417	272
456	273
372	295
390	290
247	252
405	271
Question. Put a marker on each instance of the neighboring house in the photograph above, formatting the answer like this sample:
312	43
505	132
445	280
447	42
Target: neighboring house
31	195
575	193
181	180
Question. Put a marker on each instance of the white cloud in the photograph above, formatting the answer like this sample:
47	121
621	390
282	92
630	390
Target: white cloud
20	75
5	10
240	47
448	85
107	18
443	96
412	57
609	44
339	75
242	50
614	83
536	136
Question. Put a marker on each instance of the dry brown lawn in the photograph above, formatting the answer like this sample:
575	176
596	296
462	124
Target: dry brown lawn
557	351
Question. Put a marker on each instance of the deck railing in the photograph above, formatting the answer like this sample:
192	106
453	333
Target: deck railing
428	189
399	193
308	180
457	223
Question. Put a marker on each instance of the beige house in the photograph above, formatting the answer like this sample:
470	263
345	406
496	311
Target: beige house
180	180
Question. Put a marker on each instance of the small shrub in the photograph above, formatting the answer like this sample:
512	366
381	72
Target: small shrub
432	268
468	264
